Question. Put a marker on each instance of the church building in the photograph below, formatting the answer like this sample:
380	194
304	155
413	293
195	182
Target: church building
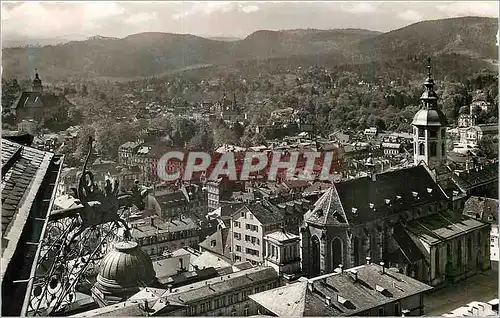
39	105
402	218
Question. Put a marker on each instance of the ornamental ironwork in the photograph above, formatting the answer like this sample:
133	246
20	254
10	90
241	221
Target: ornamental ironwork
77	239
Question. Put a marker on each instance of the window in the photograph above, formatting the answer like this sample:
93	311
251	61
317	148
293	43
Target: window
238	248
433	133
254	239
213	243
448	253
381	311
421	132
233	312
459	253
250	215
246	310
433	149
237	224
237	236
421	149
247	238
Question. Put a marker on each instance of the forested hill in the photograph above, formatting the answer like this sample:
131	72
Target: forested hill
154	53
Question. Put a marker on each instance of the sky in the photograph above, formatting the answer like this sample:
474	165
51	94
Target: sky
48	20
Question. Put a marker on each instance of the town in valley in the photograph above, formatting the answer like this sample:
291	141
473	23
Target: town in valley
404	224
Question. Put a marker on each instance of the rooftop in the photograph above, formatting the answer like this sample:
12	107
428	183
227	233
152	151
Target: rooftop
364	200
340	294
437	227
485	209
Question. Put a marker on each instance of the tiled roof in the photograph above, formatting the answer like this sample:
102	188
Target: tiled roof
145	229
29	179
441	226
264	212
363	200
485	209
23	169
348	293
469	179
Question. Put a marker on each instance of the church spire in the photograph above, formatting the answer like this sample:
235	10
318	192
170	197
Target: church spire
429	97
37	82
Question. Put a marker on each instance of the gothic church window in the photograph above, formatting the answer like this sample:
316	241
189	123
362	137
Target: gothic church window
433	149
421	149
336	252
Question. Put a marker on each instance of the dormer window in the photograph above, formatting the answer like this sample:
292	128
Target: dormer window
398	197
372	205
388	201
341	300
319	212
379	288
354	211
429	190
415	195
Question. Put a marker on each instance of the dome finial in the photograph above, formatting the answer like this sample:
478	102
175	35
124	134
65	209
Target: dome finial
429	67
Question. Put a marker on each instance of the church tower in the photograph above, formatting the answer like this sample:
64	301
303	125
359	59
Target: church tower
37	84
429	128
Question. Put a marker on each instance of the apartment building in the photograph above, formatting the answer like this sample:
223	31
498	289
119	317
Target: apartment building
249	226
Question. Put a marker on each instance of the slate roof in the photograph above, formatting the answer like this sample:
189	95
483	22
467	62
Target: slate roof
467	180
485	209
309	298
441	226
363	200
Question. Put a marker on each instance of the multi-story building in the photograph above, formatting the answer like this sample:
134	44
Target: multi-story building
366	290
227	295
127	151
249	226
471	136
156	237
486	210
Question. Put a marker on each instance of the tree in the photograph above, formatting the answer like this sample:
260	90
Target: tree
489	146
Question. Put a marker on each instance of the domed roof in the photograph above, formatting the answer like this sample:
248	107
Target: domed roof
125	267
430	117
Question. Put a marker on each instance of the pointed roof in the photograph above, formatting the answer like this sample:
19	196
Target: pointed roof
327	210
293	295
430	114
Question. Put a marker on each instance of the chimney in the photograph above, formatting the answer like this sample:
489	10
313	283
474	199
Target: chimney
181	263
355	274
170	288
383	267
146	306
310	286
341	268
374	176
368	260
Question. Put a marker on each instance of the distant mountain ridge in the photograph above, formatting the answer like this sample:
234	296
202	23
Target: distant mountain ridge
153	53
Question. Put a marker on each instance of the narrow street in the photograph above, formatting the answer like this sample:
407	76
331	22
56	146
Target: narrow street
482	287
